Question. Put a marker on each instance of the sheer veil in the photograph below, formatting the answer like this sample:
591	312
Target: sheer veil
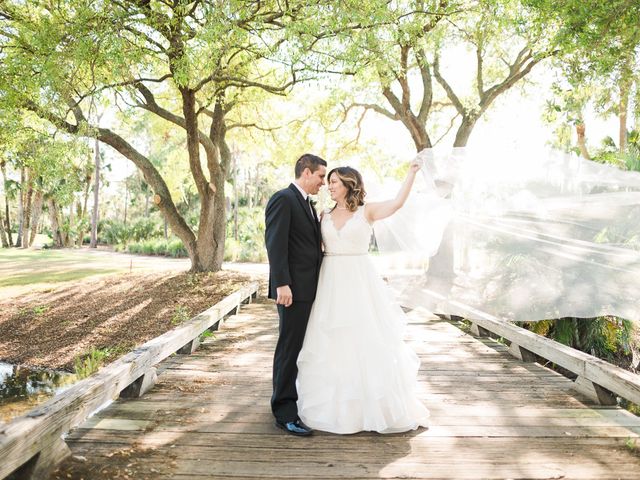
524	237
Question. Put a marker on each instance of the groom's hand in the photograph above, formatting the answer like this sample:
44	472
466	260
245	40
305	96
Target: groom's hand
285	297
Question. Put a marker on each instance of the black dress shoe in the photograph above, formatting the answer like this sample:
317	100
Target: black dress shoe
295	427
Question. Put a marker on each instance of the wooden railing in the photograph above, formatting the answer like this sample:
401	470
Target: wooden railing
31	445
596	378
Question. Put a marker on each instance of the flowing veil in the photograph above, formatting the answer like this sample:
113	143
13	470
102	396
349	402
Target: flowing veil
522	237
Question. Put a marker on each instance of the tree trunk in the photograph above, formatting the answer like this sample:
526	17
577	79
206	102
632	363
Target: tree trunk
206	252
126	201
56	233
83	213
21	208
258	191
622	116
162	196
35	217
416	125
582	142
26	231
211	233
7	211
625	85
235	198
464	131
3	233
418	133
96	191
65	231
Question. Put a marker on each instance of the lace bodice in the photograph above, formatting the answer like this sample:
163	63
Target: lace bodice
352	238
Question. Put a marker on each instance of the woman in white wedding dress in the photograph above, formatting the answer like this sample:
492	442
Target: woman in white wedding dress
355	372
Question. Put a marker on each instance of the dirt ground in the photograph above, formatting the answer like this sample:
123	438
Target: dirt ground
117	312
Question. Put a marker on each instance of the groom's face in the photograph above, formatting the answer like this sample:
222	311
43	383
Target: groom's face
314	180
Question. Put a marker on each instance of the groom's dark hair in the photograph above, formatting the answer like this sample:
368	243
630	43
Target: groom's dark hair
312	162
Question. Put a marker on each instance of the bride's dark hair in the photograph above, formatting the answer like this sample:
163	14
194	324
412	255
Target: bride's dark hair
352	180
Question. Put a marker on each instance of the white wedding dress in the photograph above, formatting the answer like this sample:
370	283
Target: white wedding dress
355	372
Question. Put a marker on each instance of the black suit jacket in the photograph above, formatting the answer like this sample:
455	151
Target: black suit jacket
292	238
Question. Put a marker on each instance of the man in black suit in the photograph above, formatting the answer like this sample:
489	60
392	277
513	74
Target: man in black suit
293	242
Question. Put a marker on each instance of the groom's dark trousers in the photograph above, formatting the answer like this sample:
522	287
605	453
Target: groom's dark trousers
292	238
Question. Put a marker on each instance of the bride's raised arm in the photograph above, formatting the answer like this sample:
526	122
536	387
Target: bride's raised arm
378	210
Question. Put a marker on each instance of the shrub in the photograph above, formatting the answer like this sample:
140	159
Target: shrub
249	247
180	315
90	362
158	246
114	232
176	249
232	250
145	228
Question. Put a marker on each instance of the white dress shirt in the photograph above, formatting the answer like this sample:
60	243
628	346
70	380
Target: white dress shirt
305	195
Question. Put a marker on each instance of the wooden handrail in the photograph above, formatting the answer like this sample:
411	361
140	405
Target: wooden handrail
596	378
33	443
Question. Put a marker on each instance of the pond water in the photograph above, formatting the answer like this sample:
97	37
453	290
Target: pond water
23	388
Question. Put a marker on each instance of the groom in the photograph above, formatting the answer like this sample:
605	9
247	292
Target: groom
292	238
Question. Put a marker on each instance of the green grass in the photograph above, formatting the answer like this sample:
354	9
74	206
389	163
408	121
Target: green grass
20	267
180	315
207	334
54	277
20	255
632	445
91	361
40	309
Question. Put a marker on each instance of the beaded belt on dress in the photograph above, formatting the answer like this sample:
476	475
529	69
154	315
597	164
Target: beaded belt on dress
331	254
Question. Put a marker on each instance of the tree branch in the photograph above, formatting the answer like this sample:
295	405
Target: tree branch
366	107
359	127
402	77
217	133
127	83
427	85
152	106
453	120
437	17
242	82
395	103
193	141
447	88
479	72
518	70
150	173
375	108
254	125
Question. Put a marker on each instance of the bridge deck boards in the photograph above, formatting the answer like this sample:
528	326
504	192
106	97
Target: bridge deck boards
492	416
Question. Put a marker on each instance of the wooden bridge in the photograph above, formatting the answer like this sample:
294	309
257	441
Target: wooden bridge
492	416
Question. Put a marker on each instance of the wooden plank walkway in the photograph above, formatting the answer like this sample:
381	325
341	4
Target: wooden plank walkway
492	417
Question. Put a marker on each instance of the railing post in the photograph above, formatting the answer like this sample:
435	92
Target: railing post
594	391
43	462
141	385
478	331
522	353
597	379
233	312
190	347
28	446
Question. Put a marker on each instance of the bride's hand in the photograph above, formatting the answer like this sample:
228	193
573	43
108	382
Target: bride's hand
415	166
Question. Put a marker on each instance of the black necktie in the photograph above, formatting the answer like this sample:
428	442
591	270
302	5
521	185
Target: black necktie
313	213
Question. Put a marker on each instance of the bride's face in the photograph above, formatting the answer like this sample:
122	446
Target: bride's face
336	188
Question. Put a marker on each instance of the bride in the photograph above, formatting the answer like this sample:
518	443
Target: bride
355	372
